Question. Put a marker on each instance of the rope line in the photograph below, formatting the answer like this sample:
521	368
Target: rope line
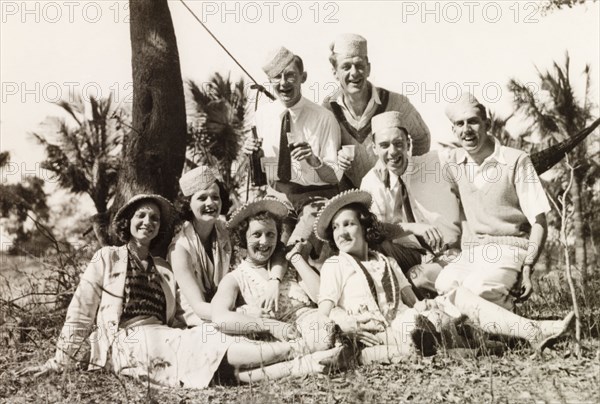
256	85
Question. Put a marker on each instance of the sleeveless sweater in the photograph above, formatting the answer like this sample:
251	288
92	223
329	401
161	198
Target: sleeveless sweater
493	211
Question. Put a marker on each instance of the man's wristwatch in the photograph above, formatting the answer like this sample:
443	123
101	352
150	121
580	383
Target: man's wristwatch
275	278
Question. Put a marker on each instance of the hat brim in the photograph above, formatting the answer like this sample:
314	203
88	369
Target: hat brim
328	211
165	207
272	205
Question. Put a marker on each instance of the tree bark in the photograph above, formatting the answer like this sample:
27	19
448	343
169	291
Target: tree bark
154	149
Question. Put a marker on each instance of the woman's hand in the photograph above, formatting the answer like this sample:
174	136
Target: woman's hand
366	330
302	248
363	327
271	296
50	366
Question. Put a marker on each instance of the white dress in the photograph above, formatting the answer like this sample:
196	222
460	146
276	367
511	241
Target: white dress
345	285
294	305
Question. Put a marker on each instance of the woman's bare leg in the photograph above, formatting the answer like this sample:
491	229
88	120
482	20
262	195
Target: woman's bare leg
302	366
250	354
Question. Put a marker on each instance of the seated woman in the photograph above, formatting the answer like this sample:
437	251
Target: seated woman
257	227
129	295
366	294
200	252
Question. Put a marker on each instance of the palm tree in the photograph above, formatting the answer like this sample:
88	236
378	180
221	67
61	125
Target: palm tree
216	129
556	114
85	157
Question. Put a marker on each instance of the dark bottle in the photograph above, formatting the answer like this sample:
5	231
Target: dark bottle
256	173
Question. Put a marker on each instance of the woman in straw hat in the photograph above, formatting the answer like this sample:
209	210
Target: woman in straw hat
256	227
367	295
129	295
200	253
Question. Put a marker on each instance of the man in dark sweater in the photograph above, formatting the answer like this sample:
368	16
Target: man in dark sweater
505	208
357	101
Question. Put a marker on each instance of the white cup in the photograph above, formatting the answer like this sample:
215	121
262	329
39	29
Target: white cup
349	151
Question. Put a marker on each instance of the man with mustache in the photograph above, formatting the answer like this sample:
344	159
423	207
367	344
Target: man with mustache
357	101
505	208
300	140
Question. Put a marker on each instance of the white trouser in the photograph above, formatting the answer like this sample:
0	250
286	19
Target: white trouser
488	270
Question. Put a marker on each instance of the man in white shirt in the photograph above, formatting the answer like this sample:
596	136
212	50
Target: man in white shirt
300	140
505	208
392	182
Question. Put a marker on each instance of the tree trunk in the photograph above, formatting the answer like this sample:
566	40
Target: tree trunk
154	149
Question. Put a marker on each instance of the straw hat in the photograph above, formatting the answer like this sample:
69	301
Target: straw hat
267	204
332	206
165	207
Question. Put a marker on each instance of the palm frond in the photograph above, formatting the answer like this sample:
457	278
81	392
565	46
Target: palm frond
85	157
200	97
215	129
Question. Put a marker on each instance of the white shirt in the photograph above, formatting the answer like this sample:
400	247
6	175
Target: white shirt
309	122
384	201
365	118
532	197
344	284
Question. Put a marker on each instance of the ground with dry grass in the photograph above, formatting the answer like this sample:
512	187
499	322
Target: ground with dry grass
29	327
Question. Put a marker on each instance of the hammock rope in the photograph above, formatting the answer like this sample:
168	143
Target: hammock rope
255	86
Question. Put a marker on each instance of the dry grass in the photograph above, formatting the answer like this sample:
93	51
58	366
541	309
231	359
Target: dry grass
29	329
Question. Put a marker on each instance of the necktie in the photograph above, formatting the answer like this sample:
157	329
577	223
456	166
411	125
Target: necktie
402	196
284	165
384	176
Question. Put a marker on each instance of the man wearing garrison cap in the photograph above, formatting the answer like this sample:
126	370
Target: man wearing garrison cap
358	101
505	208
300	140
392	184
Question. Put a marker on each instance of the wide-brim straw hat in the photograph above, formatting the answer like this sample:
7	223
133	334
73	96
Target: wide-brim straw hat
267	204
328	211
165	207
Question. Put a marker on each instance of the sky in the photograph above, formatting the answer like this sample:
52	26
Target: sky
429	50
